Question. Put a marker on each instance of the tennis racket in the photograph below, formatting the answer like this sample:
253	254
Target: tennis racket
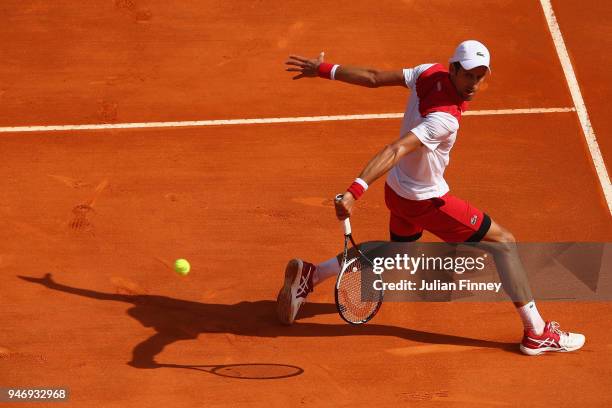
357	300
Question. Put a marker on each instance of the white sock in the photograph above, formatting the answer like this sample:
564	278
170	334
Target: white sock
531	318
325	270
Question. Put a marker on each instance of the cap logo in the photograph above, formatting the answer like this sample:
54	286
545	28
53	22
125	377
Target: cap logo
480	54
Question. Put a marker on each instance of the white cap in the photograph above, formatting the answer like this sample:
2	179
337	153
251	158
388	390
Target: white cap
471	54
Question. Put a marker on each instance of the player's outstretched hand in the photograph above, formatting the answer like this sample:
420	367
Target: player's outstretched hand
306	67
344	207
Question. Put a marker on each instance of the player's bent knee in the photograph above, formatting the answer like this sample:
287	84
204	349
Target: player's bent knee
507	236
500	241
497	233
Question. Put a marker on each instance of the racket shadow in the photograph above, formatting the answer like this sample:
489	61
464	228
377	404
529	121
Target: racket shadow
244	371
175	320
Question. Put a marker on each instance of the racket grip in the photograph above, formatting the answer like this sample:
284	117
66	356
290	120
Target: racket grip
346	224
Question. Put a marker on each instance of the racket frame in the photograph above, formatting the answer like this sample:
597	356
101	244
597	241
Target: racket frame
348	237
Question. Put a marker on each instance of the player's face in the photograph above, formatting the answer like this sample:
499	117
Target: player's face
468	82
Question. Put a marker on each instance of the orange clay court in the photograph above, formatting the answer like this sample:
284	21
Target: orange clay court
92	219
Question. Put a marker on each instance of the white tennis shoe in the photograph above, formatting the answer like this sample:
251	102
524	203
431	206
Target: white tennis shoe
552	339
295	289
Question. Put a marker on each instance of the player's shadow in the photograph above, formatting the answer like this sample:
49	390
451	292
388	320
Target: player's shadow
176	319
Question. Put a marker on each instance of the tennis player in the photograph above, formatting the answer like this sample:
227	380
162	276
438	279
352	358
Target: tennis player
416	193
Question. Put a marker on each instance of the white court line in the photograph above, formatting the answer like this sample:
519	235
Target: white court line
517	111
581	109
226	122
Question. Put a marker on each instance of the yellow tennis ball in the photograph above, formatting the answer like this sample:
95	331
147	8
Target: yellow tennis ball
182	267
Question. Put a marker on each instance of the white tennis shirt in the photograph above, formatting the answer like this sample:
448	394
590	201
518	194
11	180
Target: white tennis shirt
433	113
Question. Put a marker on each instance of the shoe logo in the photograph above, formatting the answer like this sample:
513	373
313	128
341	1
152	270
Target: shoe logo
304	289
547	342
474	219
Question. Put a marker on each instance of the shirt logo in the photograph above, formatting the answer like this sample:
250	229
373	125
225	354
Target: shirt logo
473	219
480	54
439	86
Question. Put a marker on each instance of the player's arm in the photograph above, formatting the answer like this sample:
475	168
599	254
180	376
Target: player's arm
380	164
388	157
368	77
435	129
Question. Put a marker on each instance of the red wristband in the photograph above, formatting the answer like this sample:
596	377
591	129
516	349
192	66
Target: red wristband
356	190
325	70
